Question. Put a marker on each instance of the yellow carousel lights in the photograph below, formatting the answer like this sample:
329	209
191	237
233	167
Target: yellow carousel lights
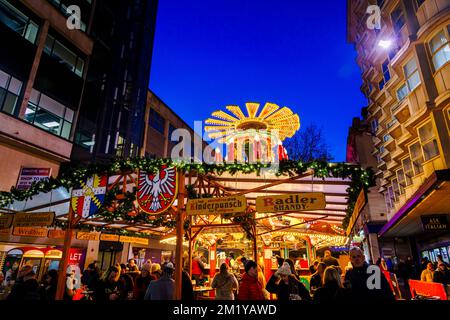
251	136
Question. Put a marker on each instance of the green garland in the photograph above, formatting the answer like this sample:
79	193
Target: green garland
71	175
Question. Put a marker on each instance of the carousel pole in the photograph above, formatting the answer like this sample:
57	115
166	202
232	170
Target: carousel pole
61	287
180	234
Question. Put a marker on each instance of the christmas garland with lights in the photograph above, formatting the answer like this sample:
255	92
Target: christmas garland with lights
72	175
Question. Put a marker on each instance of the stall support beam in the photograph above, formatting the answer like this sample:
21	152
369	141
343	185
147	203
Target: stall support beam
61	286
180	234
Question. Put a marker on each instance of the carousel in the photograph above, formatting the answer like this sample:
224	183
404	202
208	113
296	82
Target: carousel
242	206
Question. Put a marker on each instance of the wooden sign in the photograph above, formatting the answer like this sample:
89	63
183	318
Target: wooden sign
434	223
56	234
92	236
30	232
137	240
6	221
109	237
216	206
291	202
5	231
33	219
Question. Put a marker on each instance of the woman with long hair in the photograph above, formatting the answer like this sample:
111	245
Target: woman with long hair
224	282
332	288
108	287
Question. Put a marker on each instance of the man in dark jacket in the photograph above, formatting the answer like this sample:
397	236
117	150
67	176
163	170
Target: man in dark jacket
442	274
284	284
357	279
26	287
329	260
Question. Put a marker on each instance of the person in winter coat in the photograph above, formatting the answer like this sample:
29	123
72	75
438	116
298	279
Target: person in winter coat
316	279
442	274
331	288
127	283
164	287
142	282
156	270
224	282
187	290
286	286
250	288
109	287
356	279
48	291
198	267
26	287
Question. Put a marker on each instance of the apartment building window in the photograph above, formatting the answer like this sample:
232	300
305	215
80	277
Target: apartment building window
408	171
415	152
412	79
171	130
10	88
18	21
120	145
387	137
398	19
156	121
395	189
428	141
374	125
440	48
63	55
48	114
386	74
389	198
401	180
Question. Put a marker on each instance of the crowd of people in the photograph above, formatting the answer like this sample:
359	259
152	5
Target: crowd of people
152	281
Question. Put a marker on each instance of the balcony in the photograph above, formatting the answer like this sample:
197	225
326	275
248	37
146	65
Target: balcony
386	156
382	165
392	165
405	138
390	145
394	129
401	111
387	174
397	153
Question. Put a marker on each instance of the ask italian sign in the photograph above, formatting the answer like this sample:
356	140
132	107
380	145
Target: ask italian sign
291	203
434	223
213	206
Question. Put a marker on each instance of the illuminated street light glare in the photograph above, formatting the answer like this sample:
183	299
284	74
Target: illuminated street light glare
385	43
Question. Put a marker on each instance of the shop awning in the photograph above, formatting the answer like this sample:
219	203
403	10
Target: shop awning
432	198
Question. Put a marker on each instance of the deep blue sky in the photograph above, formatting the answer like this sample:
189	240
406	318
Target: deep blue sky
212	53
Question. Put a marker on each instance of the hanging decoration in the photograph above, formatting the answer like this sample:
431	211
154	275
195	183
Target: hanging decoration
157	191
89	196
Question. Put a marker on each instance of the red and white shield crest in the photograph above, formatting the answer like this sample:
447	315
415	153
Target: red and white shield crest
157	191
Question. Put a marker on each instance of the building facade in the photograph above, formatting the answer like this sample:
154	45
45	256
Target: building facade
365	223
72	93
405	64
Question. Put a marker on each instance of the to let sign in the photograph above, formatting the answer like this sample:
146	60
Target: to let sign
434	223
291	203
213	206
29	175
35	219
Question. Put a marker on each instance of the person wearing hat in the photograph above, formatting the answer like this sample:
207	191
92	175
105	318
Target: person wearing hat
164	287
250	288
284	284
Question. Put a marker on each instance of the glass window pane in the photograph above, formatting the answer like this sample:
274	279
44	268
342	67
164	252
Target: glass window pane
441	57
402	92
65	56
47	121
430	150
414	81
65	132
51	105
4	79
12	18
15	86
30	112
437	41
426	132
10	103
31	32
49	45
79	68
69	115
410	67
34	96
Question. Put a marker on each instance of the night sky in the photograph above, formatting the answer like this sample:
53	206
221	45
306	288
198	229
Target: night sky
213	53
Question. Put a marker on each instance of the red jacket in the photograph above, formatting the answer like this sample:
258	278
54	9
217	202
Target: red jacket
250	289
197	266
